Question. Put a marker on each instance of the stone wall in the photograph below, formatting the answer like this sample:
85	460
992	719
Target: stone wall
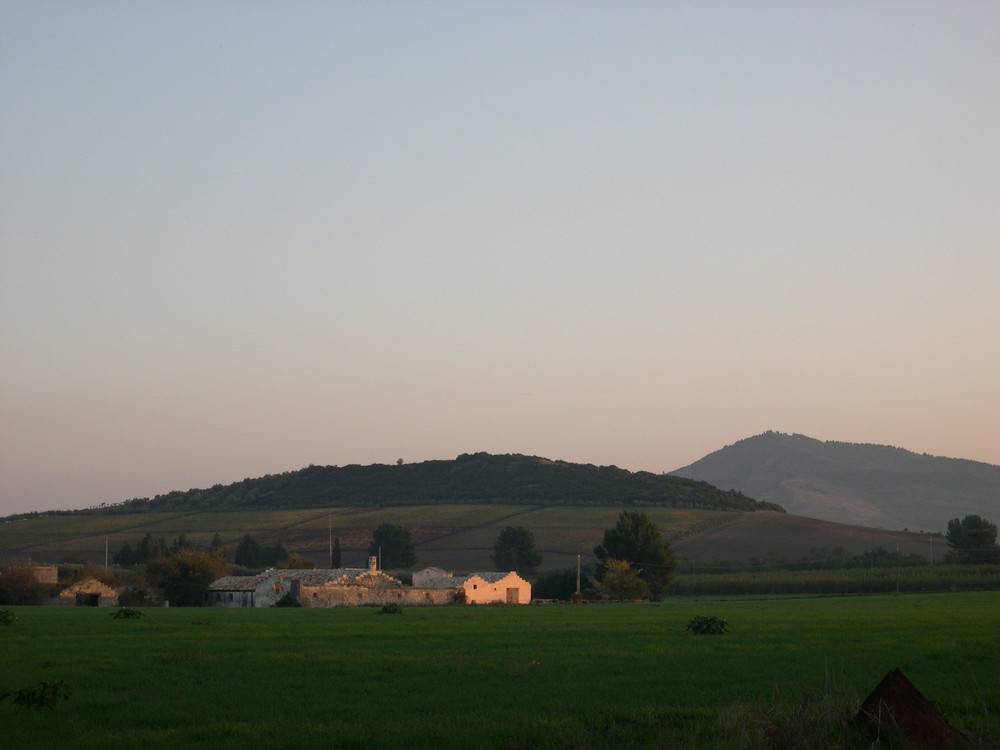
372	596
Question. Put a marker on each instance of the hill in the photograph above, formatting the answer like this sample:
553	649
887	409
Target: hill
479	478
852	483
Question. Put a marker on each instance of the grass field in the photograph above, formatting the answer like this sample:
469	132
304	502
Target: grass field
586	676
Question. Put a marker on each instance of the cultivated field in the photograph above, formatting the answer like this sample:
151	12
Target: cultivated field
457	537
585	676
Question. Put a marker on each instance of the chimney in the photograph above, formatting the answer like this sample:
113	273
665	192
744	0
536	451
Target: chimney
372	563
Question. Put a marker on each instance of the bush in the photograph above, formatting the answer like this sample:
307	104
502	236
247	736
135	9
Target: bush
391	609
126	613
287	600
42	695
707	625
7	617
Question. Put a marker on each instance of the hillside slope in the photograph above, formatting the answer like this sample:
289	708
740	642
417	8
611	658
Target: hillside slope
742	536
868	485
455	537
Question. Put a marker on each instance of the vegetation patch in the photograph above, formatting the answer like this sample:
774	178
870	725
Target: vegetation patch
126	613
40	695
707	625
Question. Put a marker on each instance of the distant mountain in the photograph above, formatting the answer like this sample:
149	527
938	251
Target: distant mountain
471	478
852	483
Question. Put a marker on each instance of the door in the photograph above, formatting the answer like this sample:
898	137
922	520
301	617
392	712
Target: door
512	596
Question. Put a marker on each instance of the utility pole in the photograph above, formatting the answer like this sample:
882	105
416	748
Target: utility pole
330	521
578	575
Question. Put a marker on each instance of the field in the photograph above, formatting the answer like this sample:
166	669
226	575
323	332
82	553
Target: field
585	676
456	537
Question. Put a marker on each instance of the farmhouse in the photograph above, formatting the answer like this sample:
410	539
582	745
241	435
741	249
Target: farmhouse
89	593
478	588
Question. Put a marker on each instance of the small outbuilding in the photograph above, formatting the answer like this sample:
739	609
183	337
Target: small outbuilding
89	593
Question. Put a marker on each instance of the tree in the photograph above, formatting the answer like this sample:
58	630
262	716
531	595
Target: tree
296	562
125	557
273	555
335	554
393	546
560	584
185	575
181	543
19	586
636	540
217	547
973	539
248	553
515	550
150	550
622	581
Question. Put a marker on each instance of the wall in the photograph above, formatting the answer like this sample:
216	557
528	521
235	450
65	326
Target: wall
362	596
480	591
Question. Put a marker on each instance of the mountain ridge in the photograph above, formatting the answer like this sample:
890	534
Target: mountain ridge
853	483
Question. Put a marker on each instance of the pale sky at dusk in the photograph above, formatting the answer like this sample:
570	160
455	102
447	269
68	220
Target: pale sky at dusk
240	238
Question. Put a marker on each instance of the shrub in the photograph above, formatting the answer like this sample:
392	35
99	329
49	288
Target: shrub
7	617
287	600
126	613
135	596
42	695
707	625
391	609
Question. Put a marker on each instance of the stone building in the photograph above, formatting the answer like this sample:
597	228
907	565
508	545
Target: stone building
336	587
478	588
89	593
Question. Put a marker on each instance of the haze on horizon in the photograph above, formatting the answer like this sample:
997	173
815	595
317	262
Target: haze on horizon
237	239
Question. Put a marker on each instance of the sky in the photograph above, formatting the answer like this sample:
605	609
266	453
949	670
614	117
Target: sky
242	238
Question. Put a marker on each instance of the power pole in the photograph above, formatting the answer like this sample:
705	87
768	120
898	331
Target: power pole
330	521
577	575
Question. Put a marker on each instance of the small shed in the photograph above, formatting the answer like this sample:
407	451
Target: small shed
89	593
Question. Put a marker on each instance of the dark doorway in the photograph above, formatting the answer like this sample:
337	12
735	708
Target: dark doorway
88	600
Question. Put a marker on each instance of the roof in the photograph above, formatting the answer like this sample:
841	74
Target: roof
308	577
441	582
236	583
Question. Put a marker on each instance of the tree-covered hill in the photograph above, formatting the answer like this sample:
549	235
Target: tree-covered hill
470	478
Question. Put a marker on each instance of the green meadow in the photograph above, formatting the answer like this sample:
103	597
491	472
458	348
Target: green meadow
583	676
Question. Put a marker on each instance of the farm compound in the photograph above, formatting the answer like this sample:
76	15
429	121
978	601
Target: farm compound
359	587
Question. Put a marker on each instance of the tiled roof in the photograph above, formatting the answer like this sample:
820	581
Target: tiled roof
308	577
441	582
236	583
